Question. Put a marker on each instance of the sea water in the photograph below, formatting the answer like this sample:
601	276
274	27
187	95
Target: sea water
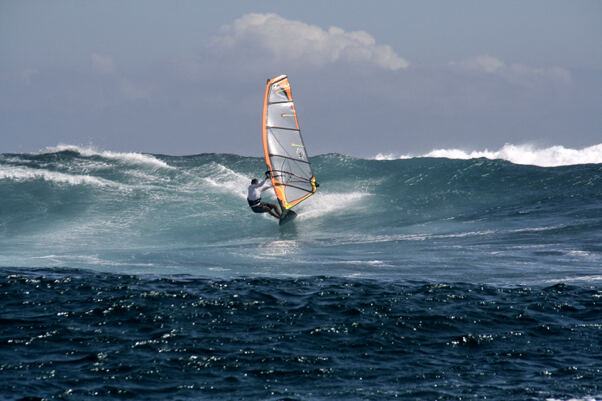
138	276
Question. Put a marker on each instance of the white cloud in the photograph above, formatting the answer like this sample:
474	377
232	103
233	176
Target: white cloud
102	63
515	73
556	74
285	39
132	91
483	63
27	75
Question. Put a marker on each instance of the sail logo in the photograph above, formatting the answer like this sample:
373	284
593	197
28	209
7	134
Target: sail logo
299	150
282	89
293	114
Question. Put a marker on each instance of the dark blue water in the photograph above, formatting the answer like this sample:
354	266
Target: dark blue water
128	276
75	334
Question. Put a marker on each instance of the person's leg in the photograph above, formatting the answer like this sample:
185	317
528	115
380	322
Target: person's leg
272	209
278	211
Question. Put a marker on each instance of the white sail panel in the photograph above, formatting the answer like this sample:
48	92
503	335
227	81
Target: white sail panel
287	143
282	115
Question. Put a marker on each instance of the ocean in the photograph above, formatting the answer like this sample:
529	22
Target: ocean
147	277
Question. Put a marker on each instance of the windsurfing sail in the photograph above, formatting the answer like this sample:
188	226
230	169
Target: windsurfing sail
285	153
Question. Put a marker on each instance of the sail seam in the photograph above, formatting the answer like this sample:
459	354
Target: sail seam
288	129
290	158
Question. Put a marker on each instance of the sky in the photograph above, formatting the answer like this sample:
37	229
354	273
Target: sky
368	77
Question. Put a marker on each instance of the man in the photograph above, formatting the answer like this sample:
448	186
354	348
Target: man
254	198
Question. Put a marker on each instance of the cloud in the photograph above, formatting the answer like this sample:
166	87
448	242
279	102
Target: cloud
26	76
284	39
483	63
514	73
117	86
102	63
132	91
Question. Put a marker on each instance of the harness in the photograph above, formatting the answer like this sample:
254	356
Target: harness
254	203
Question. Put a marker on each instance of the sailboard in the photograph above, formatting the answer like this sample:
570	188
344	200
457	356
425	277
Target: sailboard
285	153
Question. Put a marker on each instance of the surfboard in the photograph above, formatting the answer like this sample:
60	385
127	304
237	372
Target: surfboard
285	153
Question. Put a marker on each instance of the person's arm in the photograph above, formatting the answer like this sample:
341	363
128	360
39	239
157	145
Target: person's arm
265	185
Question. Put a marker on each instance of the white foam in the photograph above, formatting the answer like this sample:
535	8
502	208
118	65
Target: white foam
588	278
369	239
552	156
376	263
219	269
277	248
21	174
128	157
223	178
535	229
323	203
582	254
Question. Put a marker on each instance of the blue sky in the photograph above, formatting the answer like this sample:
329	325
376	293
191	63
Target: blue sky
188	77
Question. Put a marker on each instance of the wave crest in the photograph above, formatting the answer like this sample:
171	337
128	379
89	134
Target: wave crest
21	174
552	156
127	157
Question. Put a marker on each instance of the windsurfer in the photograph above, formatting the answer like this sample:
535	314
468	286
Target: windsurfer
254	198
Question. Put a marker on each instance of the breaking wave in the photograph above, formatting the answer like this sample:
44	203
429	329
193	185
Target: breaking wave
127	157
131	212
552	156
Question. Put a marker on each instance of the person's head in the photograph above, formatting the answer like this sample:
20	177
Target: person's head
254	181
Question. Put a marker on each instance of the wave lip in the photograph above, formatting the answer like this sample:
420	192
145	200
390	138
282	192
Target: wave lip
20	174
127	157
553	156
